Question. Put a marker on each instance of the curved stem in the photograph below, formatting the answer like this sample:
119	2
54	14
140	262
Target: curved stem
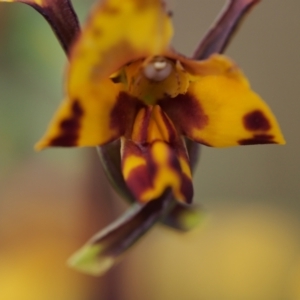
218	37
61	17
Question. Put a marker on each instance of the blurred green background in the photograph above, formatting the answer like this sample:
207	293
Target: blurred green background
51	202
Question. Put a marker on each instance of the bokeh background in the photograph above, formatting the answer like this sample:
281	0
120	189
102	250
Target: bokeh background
51	202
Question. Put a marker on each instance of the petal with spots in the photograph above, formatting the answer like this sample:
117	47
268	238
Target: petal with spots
91	123
220	109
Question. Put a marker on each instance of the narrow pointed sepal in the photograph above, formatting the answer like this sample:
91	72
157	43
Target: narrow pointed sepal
61	17
106	247
224	28
220	109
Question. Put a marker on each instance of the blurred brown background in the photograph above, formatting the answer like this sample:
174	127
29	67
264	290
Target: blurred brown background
51	202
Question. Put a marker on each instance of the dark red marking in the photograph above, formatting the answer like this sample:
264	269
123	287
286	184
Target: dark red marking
187	188
185	112
139	149
139	181
131	148
170	13
258	139
173	161
256	121
70	128
97	32
111	10
141	178
143	136
144	130
173	135
186	184
77	109
124	113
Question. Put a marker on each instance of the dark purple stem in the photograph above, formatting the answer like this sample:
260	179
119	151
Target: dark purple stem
218	37
63	20
127	230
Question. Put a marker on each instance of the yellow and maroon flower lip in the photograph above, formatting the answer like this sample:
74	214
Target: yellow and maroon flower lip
154	158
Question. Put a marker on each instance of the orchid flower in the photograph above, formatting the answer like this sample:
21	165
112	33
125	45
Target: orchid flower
146	108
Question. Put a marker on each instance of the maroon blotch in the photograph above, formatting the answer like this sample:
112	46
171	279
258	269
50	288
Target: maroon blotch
139	181
258	139
173	136
123	113
256	121
141	178
185	112
187	188
111	10
143	136
70	128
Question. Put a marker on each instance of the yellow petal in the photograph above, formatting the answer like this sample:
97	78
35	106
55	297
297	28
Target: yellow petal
117	32
90	123
220	109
